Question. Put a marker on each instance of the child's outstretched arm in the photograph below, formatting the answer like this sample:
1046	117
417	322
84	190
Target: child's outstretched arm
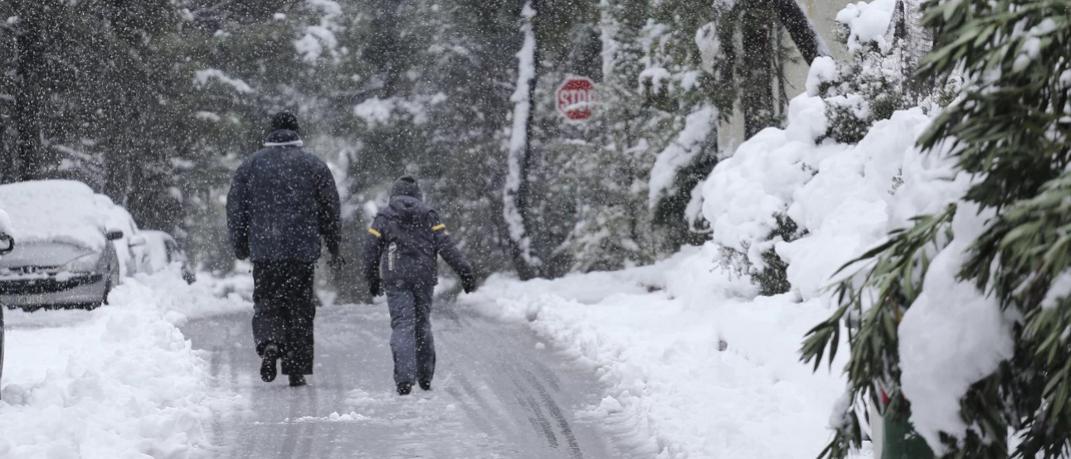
446	247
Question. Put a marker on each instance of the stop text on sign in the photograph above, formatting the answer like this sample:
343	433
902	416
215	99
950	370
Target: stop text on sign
576	98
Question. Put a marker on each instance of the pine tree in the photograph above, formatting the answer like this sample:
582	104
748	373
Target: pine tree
612	226
1008	128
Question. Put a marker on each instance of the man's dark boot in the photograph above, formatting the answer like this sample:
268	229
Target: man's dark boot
405	388
297	380
425	384
267	366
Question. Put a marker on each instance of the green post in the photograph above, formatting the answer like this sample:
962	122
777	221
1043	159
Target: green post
901	440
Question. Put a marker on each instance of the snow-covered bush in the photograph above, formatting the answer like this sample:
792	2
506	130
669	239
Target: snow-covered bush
884	41
841	198
843	102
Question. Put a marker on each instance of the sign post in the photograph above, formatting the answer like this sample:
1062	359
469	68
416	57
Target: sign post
576	98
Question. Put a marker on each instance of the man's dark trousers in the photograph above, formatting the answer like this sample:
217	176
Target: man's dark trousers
283	310
411	341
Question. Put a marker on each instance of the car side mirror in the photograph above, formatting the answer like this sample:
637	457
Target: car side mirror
114	235
138	241
7	244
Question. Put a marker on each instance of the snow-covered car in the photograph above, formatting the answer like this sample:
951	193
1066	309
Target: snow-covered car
162	252
75	245
7	243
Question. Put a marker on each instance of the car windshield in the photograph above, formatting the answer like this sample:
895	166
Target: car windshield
43	254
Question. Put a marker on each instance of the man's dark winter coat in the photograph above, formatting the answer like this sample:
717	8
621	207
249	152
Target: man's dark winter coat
406	239
282	201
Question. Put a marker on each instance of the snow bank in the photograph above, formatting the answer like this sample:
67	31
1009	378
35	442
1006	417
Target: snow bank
692	367
209	296
120	381
58	210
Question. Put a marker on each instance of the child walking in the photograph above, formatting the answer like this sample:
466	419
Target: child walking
401	257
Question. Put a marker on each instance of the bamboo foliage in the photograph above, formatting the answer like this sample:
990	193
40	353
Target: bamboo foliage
1009	129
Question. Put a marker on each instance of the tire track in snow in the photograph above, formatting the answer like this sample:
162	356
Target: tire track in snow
498	394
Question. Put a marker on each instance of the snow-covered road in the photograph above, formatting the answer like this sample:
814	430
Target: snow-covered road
498	393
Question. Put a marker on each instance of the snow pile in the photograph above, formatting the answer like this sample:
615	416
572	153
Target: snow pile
122	381
58	210
692	366
209	296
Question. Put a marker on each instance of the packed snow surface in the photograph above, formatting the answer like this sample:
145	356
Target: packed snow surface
120	381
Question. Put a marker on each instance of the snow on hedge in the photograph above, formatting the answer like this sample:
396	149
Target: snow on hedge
847	197
120	381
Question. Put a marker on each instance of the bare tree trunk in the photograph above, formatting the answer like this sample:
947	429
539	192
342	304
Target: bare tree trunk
28	97
800	28
757	97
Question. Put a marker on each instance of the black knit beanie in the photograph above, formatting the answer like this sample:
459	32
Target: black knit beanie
284	120
406	186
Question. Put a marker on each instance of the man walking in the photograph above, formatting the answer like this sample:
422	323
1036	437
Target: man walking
281	203
402	251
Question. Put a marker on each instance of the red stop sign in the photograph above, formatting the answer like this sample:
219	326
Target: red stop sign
575	98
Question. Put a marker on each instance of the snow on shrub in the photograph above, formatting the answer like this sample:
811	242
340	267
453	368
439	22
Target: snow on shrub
843	197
